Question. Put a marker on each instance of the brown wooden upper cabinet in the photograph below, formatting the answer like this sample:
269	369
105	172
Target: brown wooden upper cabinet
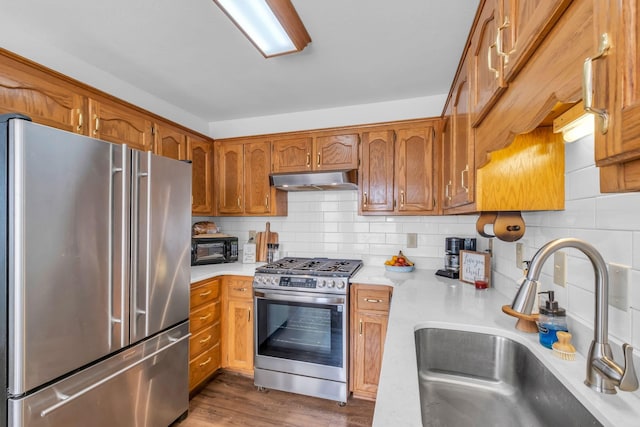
200	152
486	66
613	94
169	141
458	144
397	171
46	99
521	27
242	180
117	123
319	153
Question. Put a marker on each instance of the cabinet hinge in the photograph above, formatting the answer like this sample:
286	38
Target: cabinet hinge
153	130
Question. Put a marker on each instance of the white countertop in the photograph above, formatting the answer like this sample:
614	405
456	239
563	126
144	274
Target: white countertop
202	272
422	299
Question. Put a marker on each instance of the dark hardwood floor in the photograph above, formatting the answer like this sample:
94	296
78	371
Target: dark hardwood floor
232	400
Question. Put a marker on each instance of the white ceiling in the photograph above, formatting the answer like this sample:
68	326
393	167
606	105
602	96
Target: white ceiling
188	53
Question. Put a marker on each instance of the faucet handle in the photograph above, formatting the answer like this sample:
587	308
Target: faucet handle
629	380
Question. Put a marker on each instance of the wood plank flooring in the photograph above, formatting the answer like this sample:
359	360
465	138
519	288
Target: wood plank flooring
232	400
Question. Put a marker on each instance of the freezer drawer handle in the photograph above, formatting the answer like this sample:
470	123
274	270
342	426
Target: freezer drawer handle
66	399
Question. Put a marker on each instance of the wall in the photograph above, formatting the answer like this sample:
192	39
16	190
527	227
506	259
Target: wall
404	109
327	224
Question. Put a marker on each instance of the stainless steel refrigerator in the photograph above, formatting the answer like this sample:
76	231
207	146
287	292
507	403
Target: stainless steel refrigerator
95	272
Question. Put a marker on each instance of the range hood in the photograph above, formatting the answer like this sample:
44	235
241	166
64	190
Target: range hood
316	181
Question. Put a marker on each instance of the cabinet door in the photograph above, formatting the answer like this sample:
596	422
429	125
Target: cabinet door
170	142
292	155
369	343
200	152
462	177
486	65
414	170
120	124
447	156
40	96
257	191
616	82
240	334
522	26
377	171
336	152
229	183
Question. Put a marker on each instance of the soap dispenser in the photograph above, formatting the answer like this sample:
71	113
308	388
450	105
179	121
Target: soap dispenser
551	320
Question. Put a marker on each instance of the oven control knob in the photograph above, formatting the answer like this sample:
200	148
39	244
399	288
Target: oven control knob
322	283
331	284
340	284
273	281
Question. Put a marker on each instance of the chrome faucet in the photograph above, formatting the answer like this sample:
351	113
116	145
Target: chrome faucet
603	373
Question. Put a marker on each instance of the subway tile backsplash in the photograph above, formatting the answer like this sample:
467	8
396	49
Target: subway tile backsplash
327	224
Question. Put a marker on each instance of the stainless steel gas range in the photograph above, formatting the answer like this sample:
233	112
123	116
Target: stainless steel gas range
302	326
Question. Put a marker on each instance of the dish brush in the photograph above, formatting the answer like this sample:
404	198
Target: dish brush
563	347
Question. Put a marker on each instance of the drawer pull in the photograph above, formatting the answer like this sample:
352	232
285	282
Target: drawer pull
206	362
205	340
240	289
206	293
205	317
373	300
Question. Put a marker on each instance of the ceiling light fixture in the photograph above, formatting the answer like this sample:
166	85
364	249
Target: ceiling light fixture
273	26
575	123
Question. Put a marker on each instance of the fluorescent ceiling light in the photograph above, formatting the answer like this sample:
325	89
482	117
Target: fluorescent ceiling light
574	123
273	26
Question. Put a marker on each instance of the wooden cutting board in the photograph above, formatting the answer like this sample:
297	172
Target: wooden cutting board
262	239
261	247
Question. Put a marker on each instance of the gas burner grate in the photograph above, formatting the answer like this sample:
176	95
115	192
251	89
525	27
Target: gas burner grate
312	266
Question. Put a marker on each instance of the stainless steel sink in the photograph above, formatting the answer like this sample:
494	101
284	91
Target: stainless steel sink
473	379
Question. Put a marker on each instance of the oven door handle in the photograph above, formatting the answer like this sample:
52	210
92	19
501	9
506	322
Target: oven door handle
297	297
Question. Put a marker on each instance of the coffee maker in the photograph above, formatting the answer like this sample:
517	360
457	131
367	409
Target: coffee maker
453	246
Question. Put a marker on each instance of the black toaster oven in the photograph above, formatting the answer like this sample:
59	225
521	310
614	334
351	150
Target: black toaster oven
213	249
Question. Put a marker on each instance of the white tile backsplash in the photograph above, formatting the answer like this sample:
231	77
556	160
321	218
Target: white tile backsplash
328	224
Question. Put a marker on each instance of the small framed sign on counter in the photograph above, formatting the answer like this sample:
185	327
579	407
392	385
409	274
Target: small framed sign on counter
475	265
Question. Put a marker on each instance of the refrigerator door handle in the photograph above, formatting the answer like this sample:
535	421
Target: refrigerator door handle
65	399
139	244
118	251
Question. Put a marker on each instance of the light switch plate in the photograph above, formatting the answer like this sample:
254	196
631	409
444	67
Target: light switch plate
519	255
619	286
412	240
560	268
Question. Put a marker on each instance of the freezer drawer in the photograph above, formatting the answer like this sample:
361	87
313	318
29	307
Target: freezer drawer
144	386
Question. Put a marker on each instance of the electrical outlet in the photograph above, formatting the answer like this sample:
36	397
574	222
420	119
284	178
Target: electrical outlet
412	240
519	256
619	286
560	268
252	235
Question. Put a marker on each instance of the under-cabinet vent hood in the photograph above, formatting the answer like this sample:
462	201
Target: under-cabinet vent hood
316	181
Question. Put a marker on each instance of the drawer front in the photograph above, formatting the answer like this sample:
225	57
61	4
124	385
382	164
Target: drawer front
369	299
205	293
241	289
204	365
204	316
204	340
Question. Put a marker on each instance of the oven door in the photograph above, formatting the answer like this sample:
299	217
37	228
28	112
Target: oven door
301	333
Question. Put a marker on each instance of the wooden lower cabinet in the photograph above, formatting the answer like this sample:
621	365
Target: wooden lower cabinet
369	317
204	325
237	324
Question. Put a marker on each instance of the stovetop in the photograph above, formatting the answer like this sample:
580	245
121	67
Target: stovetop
312	267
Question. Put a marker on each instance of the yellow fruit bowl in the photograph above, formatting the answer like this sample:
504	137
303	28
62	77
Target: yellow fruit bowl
399	269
